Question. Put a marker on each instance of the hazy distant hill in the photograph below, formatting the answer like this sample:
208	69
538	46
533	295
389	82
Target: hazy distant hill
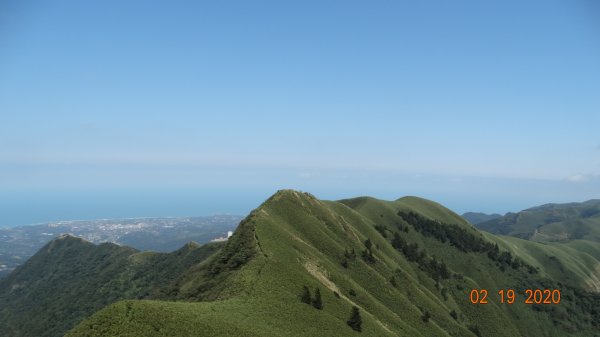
551	222
476	218
407	265
17	244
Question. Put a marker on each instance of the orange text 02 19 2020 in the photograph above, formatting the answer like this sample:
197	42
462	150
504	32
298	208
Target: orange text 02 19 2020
509	296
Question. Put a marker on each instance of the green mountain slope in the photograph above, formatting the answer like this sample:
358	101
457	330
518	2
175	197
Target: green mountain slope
407	265
551	222
69	279
576	262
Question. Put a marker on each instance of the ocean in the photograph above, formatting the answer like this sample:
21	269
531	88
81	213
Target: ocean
33	207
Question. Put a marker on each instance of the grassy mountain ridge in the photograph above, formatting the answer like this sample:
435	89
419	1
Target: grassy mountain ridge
69	279
432	210
577	263
408	265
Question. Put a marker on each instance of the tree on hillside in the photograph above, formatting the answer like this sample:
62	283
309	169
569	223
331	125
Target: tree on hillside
398	242
367	254
475	329
305	296
368	244
382	230
317	302
445	293
355	322
444	271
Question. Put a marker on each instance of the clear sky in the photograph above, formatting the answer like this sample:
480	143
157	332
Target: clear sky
197	107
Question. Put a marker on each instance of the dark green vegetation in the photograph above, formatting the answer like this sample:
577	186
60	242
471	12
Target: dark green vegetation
355	322
476	218
69	279
461	238
380	268
551	222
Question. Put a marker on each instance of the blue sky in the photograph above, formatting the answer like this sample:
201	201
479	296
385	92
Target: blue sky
490	106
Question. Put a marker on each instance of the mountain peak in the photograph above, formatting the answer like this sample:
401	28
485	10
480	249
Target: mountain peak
68	236
65	240
289	193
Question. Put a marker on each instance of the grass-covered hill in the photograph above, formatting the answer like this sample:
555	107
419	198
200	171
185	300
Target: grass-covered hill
551	222
69	279
299	266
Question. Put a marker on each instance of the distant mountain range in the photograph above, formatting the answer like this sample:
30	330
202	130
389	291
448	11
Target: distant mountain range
300	266
476	218
17	244
551	222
